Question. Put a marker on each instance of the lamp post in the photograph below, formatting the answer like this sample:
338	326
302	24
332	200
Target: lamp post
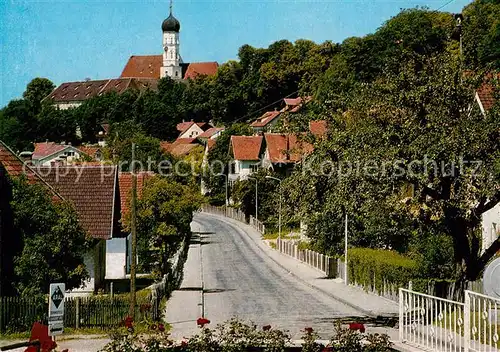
224	175
256	198
279	216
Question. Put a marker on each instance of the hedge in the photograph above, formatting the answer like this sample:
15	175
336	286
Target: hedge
374	267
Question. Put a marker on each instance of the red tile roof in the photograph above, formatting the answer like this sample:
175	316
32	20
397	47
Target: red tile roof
45	149
16	167
181	146
318	128
265	119
211	143
201	68
184	126
210	132
246	147
89	150
144	66
149	66
80	91
77	91
286	148
125	186
92	191
486	93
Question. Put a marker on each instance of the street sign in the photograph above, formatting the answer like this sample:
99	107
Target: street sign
56	309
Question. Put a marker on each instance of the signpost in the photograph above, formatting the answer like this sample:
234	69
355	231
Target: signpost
56	309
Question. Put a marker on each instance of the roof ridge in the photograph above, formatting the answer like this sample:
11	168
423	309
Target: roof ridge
45	183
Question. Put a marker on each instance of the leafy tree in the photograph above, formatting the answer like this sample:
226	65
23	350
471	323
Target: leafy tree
19	125
36	91
56	125
53	242
148	154
164	215
413	128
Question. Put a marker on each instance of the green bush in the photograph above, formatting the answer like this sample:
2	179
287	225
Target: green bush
373	267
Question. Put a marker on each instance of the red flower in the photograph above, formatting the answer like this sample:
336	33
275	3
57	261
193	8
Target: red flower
309	331
327	349
161	327
128	322
266	327
184	343
357	326
201	322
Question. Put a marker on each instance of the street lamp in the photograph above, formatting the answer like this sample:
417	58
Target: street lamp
256	199
224	175
279	216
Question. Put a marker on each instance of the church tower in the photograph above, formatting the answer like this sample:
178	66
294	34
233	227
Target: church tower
171	57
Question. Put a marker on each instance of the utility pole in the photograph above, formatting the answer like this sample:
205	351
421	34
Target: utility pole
133	227
345	250
256	198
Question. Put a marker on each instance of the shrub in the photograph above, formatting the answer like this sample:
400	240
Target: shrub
373	267
235	336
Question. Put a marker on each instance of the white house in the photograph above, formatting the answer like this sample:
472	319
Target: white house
191	129
48	153
246	152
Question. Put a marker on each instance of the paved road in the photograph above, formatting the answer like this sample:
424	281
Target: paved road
240	280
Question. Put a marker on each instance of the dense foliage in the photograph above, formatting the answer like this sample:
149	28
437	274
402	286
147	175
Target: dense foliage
51	242
164	215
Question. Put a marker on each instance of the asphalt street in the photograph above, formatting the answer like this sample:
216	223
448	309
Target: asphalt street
240	280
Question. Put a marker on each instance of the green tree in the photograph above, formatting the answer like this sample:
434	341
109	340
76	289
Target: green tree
53	242
36	91
164	215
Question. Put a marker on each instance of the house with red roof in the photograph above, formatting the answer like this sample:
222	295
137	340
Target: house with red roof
192	129
266	122
246	153
283	151
50	153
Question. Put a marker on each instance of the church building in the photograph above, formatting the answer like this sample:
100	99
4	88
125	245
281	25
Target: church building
141	71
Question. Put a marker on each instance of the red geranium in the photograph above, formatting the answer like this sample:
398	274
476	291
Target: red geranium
266	327
201	322
129	322
357	326
161	327
308	330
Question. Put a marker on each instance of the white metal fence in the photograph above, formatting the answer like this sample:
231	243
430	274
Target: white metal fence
436	324
482	312
324	263
258	225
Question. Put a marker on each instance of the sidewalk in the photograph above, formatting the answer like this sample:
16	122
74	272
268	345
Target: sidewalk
367	303
185	305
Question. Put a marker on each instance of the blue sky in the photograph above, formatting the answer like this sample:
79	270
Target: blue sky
69	40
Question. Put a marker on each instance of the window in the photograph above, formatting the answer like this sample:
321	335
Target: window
176	73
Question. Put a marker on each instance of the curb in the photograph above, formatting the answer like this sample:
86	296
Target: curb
350	304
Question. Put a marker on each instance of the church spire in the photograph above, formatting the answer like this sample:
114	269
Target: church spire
171	7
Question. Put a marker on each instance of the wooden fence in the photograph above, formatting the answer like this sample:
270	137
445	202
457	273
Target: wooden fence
17	314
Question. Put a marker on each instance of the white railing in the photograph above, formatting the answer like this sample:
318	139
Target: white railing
435	324
224	211
482	313
324	263
431	323
258	225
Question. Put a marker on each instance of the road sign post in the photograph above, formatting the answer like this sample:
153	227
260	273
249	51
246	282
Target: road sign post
56	309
